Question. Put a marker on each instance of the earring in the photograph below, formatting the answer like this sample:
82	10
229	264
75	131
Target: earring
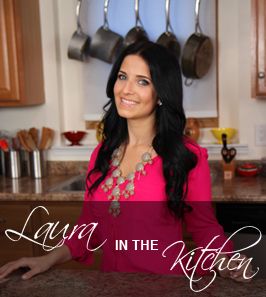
160	102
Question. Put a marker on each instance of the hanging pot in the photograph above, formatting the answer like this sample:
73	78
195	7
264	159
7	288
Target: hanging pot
168	39
137	33
79	44
106	44
197	53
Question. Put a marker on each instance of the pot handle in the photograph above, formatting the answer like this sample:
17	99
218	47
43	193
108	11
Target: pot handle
79	29
105	11
167	13
188	82
197	23
138	20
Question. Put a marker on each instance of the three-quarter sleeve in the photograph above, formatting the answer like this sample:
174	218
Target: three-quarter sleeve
80	247
201	222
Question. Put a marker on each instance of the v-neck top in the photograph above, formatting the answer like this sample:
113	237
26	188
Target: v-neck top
145	217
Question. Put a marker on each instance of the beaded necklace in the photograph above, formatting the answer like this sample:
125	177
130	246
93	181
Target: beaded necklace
113	183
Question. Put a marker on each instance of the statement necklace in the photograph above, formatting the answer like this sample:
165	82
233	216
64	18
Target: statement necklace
117	179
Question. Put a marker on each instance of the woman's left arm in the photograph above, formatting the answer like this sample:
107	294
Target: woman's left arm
202	224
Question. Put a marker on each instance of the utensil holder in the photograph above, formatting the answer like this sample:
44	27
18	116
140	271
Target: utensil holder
12	164
25	163
229	170
38	164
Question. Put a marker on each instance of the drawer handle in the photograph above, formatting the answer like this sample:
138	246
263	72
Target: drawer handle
2	220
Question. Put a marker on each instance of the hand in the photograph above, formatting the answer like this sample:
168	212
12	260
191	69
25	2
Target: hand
36	265
235	273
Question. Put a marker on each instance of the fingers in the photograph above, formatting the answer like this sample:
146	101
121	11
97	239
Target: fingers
11	266
35	264
243	273
240	278
31	273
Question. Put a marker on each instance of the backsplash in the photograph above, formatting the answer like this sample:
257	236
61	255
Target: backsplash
80	167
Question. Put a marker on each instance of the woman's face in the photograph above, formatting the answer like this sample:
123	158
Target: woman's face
135	96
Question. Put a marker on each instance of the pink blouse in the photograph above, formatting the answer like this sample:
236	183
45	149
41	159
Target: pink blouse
145	218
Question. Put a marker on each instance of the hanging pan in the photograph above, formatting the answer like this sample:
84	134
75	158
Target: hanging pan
137	33
168	39
197	53
79	44
106	44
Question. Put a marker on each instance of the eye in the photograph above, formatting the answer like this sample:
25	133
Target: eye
143	82
121	76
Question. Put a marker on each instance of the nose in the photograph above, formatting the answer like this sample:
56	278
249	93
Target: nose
128	87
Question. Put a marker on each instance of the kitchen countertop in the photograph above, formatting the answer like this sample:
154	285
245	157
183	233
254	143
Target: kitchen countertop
240	189
28	189
59	282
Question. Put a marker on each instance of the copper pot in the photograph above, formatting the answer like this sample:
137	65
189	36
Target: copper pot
168	39
197	53
192	129
137	33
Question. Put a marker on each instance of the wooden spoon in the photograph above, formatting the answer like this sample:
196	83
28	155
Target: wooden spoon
43	138
50	139
34	133
22	141
30	142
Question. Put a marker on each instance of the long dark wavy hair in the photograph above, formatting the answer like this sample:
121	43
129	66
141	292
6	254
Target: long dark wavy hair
170	122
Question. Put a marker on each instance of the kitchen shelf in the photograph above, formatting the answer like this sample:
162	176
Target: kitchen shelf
215	149
83	152
71	152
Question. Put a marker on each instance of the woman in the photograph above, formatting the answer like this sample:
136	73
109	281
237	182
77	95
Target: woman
144	157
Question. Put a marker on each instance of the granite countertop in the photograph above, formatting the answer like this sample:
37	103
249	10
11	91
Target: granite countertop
59	282
239	189
28	189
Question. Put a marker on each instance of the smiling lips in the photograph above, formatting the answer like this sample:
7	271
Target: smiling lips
126	102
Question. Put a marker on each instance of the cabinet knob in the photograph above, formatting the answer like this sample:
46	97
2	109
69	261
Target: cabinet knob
261	75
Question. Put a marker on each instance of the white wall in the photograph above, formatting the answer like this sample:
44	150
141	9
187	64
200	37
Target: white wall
49	114
152	14
64	78
237	108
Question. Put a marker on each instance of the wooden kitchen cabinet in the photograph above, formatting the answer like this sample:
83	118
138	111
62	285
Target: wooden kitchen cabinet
13	216
21	68
67	213
258	48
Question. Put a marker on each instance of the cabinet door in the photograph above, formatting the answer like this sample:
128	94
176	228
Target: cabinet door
64	213
258	48
10	251
13	216
9	80
21	68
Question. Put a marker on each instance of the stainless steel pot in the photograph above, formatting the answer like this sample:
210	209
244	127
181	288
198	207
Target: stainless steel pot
197	53
79	44
168	39
137	33
106	44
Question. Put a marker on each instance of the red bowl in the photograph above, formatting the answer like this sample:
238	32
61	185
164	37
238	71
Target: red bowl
74	136
248	169
248	166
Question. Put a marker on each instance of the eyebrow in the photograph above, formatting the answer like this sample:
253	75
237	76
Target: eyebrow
138	75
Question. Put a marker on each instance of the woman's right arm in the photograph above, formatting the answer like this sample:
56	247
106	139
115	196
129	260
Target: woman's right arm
37	264
72	249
